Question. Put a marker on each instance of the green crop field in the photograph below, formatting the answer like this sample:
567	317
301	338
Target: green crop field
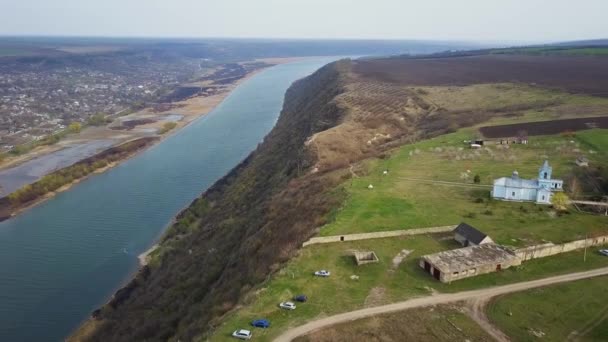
574	311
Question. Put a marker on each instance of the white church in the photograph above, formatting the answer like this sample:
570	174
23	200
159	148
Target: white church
538	190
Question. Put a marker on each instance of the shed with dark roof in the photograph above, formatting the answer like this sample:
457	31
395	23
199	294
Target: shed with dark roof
467	235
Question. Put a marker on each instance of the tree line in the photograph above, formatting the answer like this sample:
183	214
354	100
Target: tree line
67	175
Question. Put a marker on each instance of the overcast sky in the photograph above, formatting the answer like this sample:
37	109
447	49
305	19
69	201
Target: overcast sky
487	20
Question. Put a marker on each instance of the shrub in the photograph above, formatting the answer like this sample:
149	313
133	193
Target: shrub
560	201
167	127
488	212
75	127
470	215
476	179
98	119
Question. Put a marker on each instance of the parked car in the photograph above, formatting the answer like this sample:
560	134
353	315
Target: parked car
300	298
287	306
603	252
242	334
322	273
260	323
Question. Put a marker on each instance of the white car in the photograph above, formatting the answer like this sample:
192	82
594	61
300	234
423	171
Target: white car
322	273
242	334
603	252
287	306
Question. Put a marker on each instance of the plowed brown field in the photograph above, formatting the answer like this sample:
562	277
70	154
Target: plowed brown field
581	74
544	127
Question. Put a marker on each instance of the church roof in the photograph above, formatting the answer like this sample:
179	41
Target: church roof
545	166
516	182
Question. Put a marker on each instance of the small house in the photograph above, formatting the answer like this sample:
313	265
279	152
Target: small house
467	235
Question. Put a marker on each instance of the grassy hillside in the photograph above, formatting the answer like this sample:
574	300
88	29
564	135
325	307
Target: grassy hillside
397	202
410	194
232	256
389	122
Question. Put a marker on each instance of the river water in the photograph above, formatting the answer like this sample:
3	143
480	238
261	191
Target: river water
64	258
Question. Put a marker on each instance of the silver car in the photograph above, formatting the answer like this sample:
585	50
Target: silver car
242	334
323	273
287	306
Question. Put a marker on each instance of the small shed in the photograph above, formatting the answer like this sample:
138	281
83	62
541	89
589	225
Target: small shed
365	257
467	235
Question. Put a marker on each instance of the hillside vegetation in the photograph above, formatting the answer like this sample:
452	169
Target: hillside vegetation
235	234
231	247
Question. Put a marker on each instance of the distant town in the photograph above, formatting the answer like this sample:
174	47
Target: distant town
39	98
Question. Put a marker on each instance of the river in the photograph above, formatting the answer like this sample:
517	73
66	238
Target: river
65	257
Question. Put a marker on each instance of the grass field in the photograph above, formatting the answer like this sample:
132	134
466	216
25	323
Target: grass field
441	323
518	102
575	310
408	198
397	201
377	284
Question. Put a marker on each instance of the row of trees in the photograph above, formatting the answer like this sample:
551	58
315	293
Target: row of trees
67	175
54	181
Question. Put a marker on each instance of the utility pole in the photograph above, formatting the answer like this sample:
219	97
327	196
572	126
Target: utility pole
585	254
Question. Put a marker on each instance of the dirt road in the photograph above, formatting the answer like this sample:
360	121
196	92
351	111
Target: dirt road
476	309
434	300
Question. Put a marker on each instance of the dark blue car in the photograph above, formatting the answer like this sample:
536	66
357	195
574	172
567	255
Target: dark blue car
300	298
260	323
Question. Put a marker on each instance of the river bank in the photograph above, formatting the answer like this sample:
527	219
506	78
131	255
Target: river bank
64	258
63	179
180	113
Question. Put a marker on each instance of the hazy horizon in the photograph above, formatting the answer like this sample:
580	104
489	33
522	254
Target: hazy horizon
434	20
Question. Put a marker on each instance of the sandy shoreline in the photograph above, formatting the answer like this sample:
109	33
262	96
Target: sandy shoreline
144	257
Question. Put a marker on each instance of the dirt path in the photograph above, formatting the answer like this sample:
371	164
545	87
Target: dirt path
435	300
476	310
602	204
595	321
436	182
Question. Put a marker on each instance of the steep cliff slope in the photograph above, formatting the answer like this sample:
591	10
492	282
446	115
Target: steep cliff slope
237	233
